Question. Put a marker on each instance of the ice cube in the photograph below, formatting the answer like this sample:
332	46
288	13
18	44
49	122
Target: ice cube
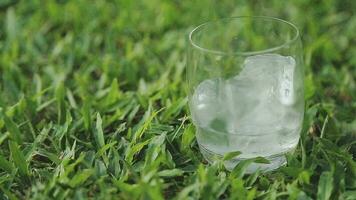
266	68
253	102
206	104
259	93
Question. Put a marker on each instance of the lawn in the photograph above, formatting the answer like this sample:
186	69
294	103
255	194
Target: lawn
93	102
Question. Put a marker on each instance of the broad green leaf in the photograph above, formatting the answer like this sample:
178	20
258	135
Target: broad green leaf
325	186
238	191
187	137
63	129
139	132
304	177
68	168
131	151
98	132
71	99
170	173
241	168
11	24
80	178
104	148
253	178
155	146
85	111
174	109
114	93
231	155
261	160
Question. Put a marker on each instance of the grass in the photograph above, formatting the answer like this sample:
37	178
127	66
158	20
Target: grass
93	105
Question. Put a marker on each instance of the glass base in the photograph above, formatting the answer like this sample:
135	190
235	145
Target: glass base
276	161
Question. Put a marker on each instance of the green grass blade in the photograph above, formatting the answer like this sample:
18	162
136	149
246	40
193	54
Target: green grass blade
60	95
98	132
5	165
19	159
325	186
8	193
15	133
81	177
231	155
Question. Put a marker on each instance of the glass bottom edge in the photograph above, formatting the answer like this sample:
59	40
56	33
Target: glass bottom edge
276	161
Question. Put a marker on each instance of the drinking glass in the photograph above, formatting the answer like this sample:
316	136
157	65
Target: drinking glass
246	90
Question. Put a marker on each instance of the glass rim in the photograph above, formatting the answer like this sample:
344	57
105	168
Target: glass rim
246	53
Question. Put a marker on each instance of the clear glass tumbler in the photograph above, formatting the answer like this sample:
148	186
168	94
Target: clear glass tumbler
246	90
